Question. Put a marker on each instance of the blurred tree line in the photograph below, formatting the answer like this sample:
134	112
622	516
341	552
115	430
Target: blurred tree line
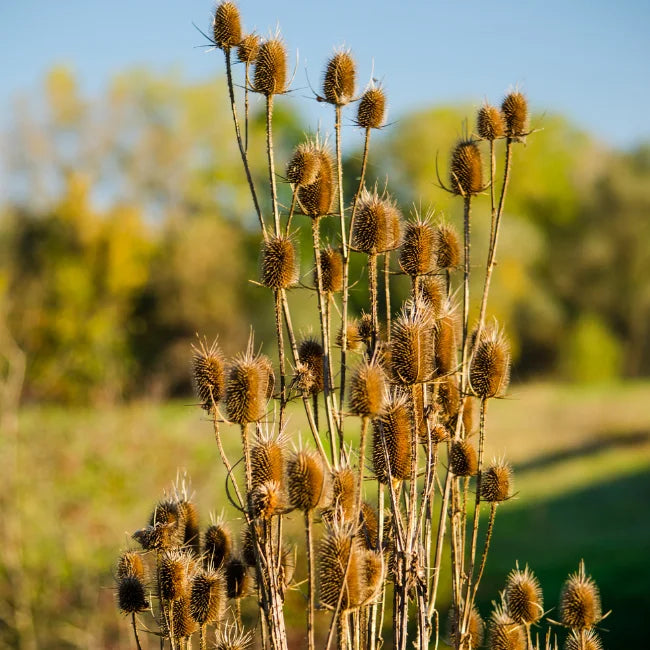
126	228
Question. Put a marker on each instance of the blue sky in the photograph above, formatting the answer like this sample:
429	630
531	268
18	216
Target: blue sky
587	59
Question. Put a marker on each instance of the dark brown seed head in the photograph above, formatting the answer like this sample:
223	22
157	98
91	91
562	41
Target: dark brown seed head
448	397
392	433
476	628
334	557
377	225
173	573
466	169
367	389
447	247
489	123
304	166
366	328
266	500
445	342
496	483
270	76
168	523
515	115
267	461
344	490
439	433
463	459
217	545
165	512
504	633
130	565
368	527
226	26
248	48
184	624
353	336
266	373
306	480
248	546
208	373
587	640
469	415
418	252
237	578
192	535
411	348
489	372
372	108
316	198
580	601
208	596
331	268
433	293
338	82
372	575
279	265
160	536
131	595
524	599
310	353
246	389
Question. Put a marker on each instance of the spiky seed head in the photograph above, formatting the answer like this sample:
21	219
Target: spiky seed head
466	169
248	48
496	483
266	500
366	328
393	429
230	637
310	353
463	459
447	247
340	549
306	480
173	572
287	566
165	512
515	115
339	79
208	596
248	546
168	514
270	76
418	253
489	123
353	336
433	293
184	624
367	389
316	199
489	372
344	491
226	26
445	343
217	545
130	565
587	640
246	389
279	265
266	373
448	397
304	165
331	268
237	578
131	595
524	600
476	627
267	462
504	633
377	225
158	537
439	433
580	606
372	108
469	414
191	534
368	527
411	348
208	373
372	572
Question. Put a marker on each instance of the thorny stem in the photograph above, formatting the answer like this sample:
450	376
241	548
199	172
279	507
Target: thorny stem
269	153
488	538
310	578
279	330
246	108
294	200
372	287
387	293
135	631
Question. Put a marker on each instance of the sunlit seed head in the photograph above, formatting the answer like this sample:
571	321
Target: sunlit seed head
371	112
367	388
270	75
391	442
248	48
339	79
208	596
466	169
304	166
463	458
489	123
311	354
279	264
496	483
418	252
580	606
331	266
523	596
306	480
447	247
377	224
226	26
316	199
515	115
489	372
217	545
208	373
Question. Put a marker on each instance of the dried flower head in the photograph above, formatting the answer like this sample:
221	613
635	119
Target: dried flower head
331	269
339	79
449	397
496	482
130	565
266	500
246	389
515	115
392	437
504	633
447	247
270	76
368	529
433	293
418	252
208	596
411	347
310	353
586	640
367	389
371	112
377	225
438	433
489	123
334	557
524	601
306	480
580	606
217	545
248	48
463	459
208	373
476	628
466	169
183	623
372	575
230	637
353	336
267	460
248	545
489	372
226	26
366	328
131	595
237	579
279	265
160	536
344	492
445	341
316	198
191	531
304	165
173	571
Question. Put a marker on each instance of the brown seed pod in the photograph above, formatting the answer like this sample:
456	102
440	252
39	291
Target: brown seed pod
267	461
447	247
372	575
371	112
496	483
130	565
433	293
158	537
208	596
476	627
367	389
466	169
587	640
368	527
366	328
392	427
226	26
270	76
316	198
449	397
246	389
469	415
489	123
172	573
331	269
580	601
248	48
438	432
462	459
377	225
489	371
208	373
334	557
131	595
515	115
310	353
266	373
353	336
167	513
411	348
304	165
306	480
338	82
184	624
504	633
266	500
279	264
524	599
248	546
237	579
445	342
418	252
192	535
344	492
217	545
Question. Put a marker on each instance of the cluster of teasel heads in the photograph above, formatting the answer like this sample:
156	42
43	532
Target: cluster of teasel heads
414	383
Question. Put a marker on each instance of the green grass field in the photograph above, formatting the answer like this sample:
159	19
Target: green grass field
88	478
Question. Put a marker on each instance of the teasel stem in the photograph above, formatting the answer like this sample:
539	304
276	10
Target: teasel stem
242	151
310	578
202	642
488	539
343	632
172	639
247	461
466	271
387	293
372	287
246	84
135	631
374	638
362	459
280	334
294	200
269	153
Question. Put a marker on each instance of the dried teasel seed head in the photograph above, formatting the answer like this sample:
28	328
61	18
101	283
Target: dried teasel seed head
266	373
331	269
184	624
367	389
248	546
418	253
173	573
469	415
270	76
208	596
377	225
445	342
130	565
237	579
411	346
316	198
447	247
304	165
371	112
248	48
306	480
246	389
230	637
449	397
580	606
217	545
489	123
339	79
586	640
279	263
515	115
504	633
226	26
310	353
131	595
287	566
496	483
438	433
466	169
266	500
392	433
433	293
366	328
267	461
344	492
463	459
523	595
208	373
368	527
168	523
339	549
476	627
158	537
372	575
191	531
489	372
353	337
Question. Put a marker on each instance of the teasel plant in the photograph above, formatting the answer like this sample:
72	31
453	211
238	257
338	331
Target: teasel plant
395	404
